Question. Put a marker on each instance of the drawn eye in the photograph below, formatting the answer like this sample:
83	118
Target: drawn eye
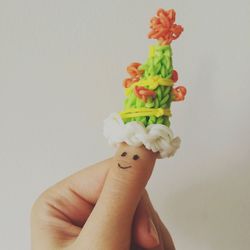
124	154
136	157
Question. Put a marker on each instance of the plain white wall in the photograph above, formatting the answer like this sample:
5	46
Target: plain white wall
61	68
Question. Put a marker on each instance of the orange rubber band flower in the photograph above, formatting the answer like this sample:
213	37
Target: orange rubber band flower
179	93
163	27
135	74
143	93
174	76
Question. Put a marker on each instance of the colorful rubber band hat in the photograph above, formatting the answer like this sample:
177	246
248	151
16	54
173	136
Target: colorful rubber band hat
149	93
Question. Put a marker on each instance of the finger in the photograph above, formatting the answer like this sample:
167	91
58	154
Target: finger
88	182
154	217
76	195
63	208
144	231
167	239
141	237
113	214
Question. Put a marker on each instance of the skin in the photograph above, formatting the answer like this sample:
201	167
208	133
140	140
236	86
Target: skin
104	206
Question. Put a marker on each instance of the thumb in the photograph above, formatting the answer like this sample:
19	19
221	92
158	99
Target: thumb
125	182
113	213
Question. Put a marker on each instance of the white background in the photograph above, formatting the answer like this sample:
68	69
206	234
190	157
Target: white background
61	68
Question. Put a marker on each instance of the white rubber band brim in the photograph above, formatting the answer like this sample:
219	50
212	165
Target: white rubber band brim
155	137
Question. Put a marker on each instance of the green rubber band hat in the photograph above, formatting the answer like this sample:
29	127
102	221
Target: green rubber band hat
149	93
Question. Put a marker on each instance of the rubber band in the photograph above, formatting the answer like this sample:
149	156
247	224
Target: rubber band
179	93
151	83
135	74
155	137
159	62
164	28
143	93
174	76
137	112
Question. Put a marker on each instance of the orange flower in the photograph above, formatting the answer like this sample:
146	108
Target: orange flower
174	76
143	93
135	74
163	27
133	69
179	93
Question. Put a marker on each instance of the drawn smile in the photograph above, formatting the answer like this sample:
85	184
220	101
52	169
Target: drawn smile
119	165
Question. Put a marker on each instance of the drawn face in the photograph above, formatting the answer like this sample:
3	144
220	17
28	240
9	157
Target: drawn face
125	162
129	156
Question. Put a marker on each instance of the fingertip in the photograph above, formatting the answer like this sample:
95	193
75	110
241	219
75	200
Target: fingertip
137	162
143	237
142	228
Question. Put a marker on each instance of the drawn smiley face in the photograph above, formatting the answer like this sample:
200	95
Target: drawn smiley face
125	161
133	158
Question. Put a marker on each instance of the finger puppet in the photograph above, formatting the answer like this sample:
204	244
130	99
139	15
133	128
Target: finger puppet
150	91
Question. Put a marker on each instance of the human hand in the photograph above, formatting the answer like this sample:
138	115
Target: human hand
101	207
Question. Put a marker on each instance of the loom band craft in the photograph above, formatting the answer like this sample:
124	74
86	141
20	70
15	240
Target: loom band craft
156	137
163	27
133	69
143	93
149	92
174	76
137	112
179	93
135	74
153	49
151	83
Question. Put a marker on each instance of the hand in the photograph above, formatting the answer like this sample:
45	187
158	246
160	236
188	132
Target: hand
101	207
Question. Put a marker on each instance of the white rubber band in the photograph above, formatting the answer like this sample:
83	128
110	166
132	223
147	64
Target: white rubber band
155	137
